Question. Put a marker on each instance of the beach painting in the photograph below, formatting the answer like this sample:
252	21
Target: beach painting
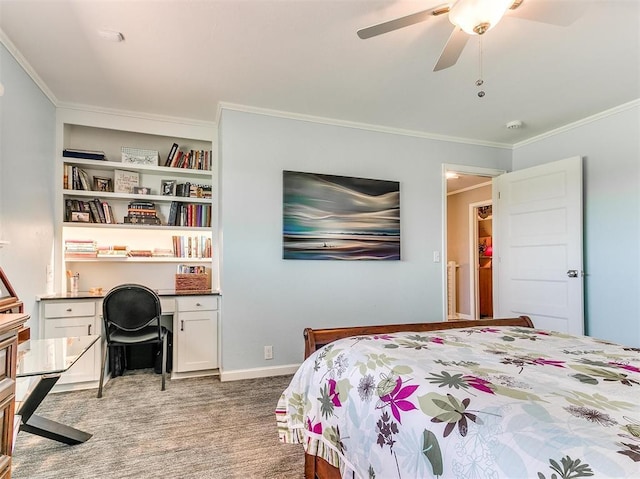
327	217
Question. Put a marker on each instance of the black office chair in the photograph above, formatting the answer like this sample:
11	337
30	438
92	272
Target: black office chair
131	314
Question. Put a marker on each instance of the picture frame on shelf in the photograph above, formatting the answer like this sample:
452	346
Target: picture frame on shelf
141	190
80	217
124	181
102	184
168	187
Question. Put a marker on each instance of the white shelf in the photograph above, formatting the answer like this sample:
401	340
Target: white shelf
130	226
138	259
109	133
106	195
118	165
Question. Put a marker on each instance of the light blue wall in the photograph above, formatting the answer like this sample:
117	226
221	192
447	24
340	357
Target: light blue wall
610	147
27	152
269	301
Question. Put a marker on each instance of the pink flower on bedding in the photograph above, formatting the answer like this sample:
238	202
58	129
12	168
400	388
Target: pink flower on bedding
315	428
397	399
437	340
383	336
335	399
628	367
548	362
479	384
489	330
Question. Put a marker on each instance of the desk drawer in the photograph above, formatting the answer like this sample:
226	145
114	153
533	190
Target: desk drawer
69	309
197	303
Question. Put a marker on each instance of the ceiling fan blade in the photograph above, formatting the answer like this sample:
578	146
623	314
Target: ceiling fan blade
401	22
452	50
549	11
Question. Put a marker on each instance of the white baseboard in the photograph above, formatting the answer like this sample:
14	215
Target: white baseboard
194	374
258	372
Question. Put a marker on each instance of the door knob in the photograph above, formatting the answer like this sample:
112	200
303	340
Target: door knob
572	273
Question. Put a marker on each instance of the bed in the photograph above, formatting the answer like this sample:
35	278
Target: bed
489	398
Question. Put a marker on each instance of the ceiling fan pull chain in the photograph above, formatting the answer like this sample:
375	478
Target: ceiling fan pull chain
480	81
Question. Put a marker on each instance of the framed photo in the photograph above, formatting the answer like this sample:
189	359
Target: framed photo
102	184
124	181
80	216
168	187
141	190
352	218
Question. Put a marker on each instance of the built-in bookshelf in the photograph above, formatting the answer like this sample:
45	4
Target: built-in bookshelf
134	218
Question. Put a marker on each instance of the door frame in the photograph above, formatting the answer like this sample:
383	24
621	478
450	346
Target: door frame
474	258
462	170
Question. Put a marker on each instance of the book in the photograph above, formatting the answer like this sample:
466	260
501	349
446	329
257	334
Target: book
84	154
172	152
84	180
173	210
100	209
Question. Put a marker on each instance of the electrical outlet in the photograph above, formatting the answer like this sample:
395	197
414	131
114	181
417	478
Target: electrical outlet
268	352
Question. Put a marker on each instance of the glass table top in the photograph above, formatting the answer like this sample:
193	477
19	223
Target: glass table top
37	357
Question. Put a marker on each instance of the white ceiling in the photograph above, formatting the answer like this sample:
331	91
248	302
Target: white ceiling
181	58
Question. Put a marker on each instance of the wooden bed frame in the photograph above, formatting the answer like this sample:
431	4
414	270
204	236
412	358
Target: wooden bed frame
316	467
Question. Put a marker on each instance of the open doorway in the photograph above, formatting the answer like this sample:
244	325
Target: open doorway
468	242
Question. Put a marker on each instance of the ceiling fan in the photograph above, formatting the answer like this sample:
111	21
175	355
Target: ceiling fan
474	17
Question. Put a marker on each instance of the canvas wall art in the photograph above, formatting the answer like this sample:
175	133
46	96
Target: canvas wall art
327	217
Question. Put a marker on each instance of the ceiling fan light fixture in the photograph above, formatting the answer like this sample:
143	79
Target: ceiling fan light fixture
478	16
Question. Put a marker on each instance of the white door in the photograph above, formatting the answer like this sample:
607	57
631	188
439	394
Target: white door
538	246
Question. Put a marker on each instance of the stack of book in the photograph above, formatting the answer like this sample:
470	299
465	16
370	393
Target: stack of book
142	213
140	253
93	211
116	251
162	253
80	249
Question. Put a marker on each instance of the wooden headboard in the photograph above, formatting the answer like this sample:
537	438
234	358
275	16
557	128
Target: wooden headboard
316	338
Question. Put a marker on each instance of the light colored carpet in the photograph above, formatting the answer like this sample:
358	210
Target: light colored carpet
197	428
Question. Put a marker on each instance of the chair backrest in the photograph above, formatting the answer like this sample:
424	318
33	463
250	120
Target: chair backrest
130	307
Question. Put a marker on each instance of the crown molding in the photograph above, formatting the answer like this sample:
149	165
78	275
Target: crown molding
137	115
11	48
351	124
579	123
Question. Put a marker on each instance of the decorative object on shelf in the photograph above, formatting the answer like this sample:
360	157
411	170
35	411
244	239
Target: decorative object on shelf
327	217
138	156
74	281
168	187
192	278
485	211
80	217
102	184
124	181
141	190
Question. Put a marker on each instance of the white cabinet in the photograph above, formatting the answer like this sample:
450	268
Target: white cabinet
195	334
67	318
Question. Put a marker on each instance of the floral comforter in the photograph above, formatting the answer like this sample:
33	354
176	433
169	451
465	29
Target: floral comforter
495	402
